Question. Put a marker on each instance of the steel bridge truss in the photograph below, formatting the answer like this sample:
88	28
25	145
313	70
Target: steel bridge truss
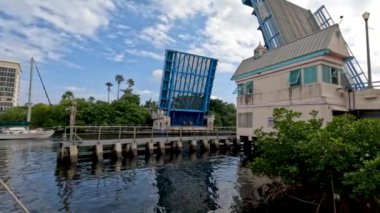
186	87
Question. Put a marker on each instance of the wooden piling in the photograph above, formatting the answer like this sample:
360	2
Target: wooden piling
205	145
73	151
117	151
133	149
215	144
149	148
98	152
161	147
193	146
227	144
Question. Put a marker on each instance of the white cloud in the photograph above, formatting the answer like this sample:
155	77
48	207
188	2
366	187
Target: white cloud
213	97
145	92
45	29
75	89
157	35
144	53
157	75
118	57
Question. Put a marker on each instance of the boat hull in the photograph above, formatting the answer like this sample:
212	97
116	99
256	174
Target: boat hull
28	135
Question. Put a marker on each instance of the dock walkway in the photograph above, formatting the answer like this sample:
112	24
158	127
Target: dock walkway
123	141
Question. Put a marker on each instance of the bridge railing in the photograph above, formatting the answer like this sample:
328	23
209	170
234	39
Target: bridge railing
82	133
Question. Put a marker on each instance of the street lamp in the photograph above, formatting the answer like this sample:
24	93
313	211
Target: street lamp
366	17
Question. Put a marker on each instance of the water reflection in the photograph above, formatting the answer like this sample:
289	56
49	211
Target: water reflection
167	183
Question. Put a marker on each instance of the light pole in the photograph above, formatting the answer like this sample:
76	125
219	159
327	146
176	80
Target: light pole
366	17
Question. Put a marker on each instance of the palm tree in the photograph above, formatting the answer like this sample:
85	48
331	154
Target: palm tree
109	85
130	83
68	95
118	79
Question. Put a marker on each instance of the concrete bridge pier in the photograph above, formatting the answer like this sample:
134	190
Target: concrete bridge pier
205	145
161	147
98	152
193	146
149	148
117	151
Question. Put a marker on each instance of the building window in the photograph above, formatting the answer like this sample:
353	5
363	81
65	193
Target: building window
245	120
241	89
295	78
249	88
310	75
330	75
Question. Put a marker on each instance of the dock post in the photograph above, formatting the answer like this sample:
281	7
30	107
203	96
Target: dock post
99	152
193	146
116	151
149	148
73	151
134	149
161	147
227	144
205	145
215	144
63	154
177	146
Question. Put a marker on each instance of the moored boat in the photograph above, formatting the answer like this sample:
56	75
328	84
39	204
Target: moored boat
23	133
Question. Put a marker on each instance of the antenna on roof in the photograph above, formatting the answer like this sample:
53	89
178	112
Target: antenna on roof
341	19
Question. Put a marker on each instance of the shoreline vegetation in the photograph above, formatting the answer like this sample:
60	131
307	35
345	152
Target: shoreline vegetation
333	167
125	110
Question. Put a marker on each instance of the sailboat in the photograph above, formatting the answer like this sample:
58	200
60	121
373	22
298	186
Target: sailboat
14	133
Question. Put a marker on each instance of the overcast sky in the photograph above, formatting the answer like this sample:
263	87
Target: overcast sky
79	45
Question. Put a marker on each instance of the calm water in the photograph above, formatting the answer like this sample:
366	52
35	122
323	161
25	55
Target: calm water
182	183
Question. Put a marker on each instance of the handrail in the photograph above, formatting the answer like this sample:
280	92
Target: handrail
134	132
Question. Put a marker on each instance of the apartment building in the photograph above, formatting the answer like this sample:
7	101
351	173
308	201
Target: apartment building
9	84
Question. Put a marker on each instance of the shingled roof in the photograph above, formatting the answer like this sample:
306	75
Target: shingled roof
329	39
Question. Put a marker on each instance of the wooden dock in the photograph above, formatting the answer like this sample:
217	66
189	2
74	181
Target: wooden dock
119	142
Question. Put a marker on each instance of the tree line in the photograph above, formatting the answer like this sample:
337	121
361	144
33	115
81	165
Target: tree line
127	109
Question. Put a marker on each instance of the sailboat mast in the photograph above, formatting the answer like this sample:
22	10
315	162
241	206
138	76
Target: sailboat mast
30	93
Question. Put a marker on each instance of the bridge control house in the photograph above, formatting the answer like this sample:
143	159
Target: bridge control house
305	74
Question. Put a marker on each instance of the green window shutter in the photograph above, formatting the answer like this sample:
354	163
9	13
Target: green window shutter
295	78
249	87
310	75
240	89
326	74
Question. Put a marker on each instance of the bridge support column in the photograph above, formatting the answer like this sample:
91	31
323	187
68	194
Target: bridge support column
149	148
161	147
193	146
215	144
116	151
73	150
205	145
177	146
98	149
